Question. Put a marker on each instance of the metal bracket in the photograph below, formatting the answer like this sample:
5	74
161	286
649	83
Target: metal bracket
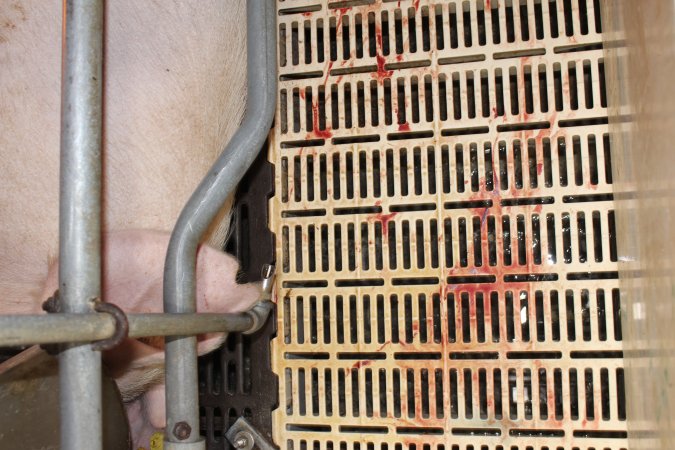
53	305
259	314
267	275
121	326
243	436
261	310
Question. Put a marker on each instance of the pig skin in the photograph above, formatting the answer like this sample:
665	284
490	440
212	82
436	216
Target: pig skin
174	84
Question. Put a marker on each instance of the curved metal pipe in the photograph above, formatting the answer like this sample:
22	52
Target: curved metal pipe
219	183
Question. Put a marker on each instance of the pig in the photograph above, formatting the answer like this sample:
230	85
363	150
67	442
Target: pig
174	93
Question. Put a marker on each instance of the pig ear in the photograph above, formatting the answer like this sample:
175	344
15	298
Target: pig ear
139	424
155	406
147	416
138	369
134	362
136	366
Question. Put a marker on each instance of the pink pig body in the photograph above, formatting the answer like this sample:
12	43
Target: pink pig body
174	84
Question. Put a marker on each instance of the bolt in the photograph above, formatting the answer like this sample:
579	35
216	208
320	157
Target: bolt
243	440
241	443
182	430
52	304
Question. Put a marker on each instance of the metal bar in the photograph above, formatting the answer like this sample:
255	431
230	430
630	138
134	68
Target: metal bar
142	325
61	328
79	216
179	270
55	328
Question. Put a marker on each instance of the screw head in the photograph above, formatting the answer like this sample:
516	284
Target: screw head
241	443
243	440
182	430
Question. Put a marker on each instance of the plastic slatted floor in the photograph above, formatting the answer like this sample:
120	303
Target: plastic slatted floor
445	228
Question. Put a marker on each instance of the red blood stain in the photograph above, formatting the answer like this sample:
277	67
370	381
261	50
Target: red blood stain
317	132
307	14
341	12
404	127
383	346
500	270
416	4
364	363
328	69
472	289
381	70
323	134
310	150
384	219
494	111
302	94
399	58
484	215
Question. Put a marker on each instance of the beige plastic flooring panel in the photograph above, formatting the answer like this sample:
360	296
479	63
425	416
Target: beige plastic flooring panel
445	228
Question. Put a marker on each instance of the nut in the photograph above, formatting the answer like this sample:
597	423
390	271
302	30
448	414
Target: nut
182	430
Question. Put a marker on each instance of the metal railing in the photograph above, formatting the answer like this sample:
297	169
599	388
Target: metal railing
80	216
77	320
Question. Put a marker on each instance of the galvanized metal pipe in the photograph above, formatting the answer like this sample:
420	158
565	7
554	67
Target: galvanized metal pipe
143	325
208	198
80	216
61	328
54	328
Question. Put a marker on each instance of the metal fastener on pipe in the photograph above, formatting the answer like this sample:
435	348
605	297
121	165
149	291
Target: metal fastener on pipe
79	216
219	183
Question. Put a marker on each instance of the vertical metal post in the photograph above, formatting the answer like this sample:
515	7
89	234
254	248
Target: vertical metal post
80	215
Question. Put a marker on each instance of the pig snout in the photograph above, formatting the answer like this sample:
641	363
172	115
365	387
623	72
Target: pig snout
133	264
